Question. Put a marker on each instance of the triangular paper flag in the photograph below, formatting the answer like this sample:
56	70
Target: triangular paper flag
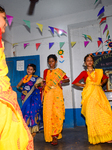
15	44
89	37
85	36
100	53
9	18
100	39
107	33
63	31
109	52
73	43
105	28
103	19
108	37
37	45
57	30
99	43
61	44
52	29
96	53
101	11
27	23
103	52
95	2
50	45
85	43
25	45
40	26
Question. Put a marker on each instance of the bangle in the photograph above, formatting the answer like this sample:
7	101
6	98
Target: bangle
19	87
61	82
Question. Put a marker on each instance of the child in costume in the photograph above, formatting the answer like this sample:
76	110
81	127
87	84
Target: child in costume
53	104
31	99
95	105
14	133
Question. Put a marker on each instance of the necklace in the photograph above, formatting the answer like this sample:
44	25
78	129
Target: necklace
90	69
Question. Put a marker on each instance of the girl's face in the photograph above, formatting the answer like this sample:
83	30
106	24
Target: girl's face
89	61
30	70
3	23
52	63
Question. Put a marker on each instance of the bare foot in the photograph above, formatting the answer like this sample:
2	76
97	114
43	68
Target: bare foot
109	141
55	141
33	134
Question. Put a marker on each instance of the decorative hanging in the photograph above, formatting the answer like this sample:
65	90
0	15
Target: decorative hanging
9	18
60	52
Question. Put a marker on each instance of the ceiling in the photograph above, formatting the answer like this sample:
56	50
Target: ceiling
46	9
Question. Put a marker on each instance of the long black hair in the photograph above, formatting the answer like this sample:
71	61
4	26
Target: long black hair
2	10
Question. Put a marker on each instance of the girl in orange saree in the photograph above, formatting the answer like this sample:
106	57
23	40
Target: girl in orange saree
95	105
53	105
14	133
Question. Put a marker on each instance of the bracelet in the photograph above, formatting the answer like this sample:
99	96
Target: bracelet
19	87
61	82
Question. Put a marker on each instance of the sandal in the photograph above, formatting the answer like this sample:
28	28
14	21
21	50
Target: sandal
55	141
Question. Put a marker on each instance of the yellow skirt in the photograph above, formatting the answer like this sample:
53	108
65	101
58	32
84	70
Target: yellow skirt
53	113
98	114
14	133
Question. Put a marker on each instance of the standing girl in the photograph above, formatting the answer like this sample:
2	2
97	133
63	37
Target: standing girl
95	106
31	108
14	133
53	105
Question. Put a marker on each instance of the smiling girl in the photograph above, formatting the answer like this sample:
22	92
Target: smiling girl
95	106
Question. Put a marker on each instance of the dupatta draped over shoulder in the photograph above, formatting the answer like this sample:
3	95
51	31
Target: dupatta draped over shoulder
14	133
96	109
53	106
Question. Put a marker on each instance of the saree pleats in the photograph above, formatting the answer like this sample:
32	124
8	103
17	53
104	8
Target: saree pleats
14	133
96	110
53	108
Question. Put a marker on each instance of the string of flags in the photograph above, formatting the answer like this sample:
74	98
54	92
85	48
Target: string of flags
87	38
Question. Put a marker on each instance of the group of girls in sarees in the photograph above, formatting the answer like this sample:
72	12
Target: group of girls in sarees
14	132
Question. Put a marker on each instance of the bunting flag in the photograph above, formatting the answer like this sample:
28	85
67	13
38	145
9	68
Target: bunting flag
107	33
63	31
40	26
103	19
15	44
101	11
73	43
103	52
86	43
27	23
37	45
106	27
25	45
51	44
52	29
95	2
57	30
99	43
89	37
100	39
9	18
61	44
85	36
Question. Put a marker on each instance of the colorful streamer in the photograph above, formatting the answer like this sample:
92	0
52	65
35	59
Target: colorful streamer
9	18
101	11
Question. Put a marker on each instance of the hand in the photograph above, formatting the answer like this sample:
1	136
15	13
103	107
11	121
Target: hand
59	84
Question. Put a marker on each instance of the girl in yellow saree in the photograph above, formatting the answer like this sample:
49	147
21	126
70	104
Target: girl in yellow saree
53	105
14	133
95	105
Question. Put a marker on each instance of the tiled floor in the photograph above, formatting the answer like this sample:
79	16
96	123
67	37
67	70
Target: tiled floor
73	139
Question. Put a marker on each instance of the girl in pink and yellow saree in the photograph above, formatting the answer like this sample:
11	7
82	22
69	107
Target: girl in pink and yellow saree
14	133
95	105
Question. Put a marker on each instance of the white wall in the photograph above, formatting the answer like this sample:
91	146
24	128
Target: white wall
72	24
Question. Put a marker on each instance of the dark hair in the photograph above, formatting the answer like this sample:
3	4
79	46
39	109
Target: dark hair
52	56
88	55
32	65
2	10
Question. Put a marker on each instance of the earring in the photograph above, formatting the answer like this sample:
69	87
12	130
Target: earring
84	64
